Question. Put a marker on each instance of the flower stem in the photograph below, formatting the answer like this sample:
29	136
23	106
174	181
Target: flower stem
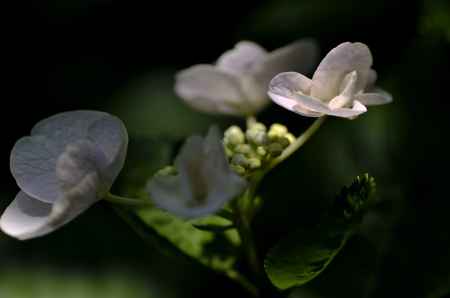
300	141
244	282
244	214
126	201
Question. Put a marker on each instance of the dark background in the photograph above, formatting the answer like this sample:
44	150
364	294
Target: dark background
120	56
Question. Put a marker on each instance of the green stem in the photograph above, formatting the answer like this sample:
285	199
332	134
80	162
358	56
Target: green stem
244	213
298	143
126	201
244	282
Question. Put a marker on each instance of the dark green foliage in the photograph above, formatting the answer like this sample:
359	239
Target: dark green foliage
304	254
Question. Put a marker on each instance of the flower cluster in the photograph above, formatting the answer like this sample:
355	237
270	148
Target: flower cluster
254	149
70	160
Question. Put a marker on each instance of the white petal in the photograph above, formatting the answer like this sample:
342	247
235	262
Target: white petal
375	97
33	163
302	110
204	182
290	82
315	108
111	137
300	56
81	159
68	127
292	104
210	90
255	94
241	58
26	217
284	90
357	109
165	192
33	159
340	61
347	93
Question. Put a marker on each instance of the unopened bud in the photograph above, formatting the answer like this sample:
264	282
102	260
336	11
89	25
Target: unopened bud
238	169
234	136
290	137
240	160
254	163
283	141
275	149
261	151
256	137
257	126
244	149
277	131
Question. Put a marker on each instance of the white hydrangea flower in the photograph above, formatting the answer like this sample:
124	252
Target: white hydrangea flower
67	164
237	83
203	182
341	86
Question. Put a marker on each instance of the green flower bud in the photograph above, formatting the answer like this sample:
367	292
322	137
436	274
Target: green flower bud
234	136
261	151
238	169
277	131
257	126
240	160
228	151
256	137
283	141
244	149
275	149
291	138
254	163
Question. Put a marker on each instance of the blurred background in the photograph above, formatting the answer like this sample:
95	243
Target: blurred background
120	56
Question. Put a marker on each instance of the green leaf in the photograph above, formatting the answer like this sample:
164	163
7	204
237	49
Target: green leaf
214	250
303	255
214	224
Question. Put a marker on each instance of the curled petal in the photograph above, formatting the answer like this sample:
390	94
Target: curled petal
242	58
284	89
340	61
81	159
349	113
26	217
375	97
210	90
346	95
289	83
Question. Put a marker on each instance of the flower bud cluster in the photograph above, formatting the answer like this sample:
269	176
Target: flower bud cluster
253	149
